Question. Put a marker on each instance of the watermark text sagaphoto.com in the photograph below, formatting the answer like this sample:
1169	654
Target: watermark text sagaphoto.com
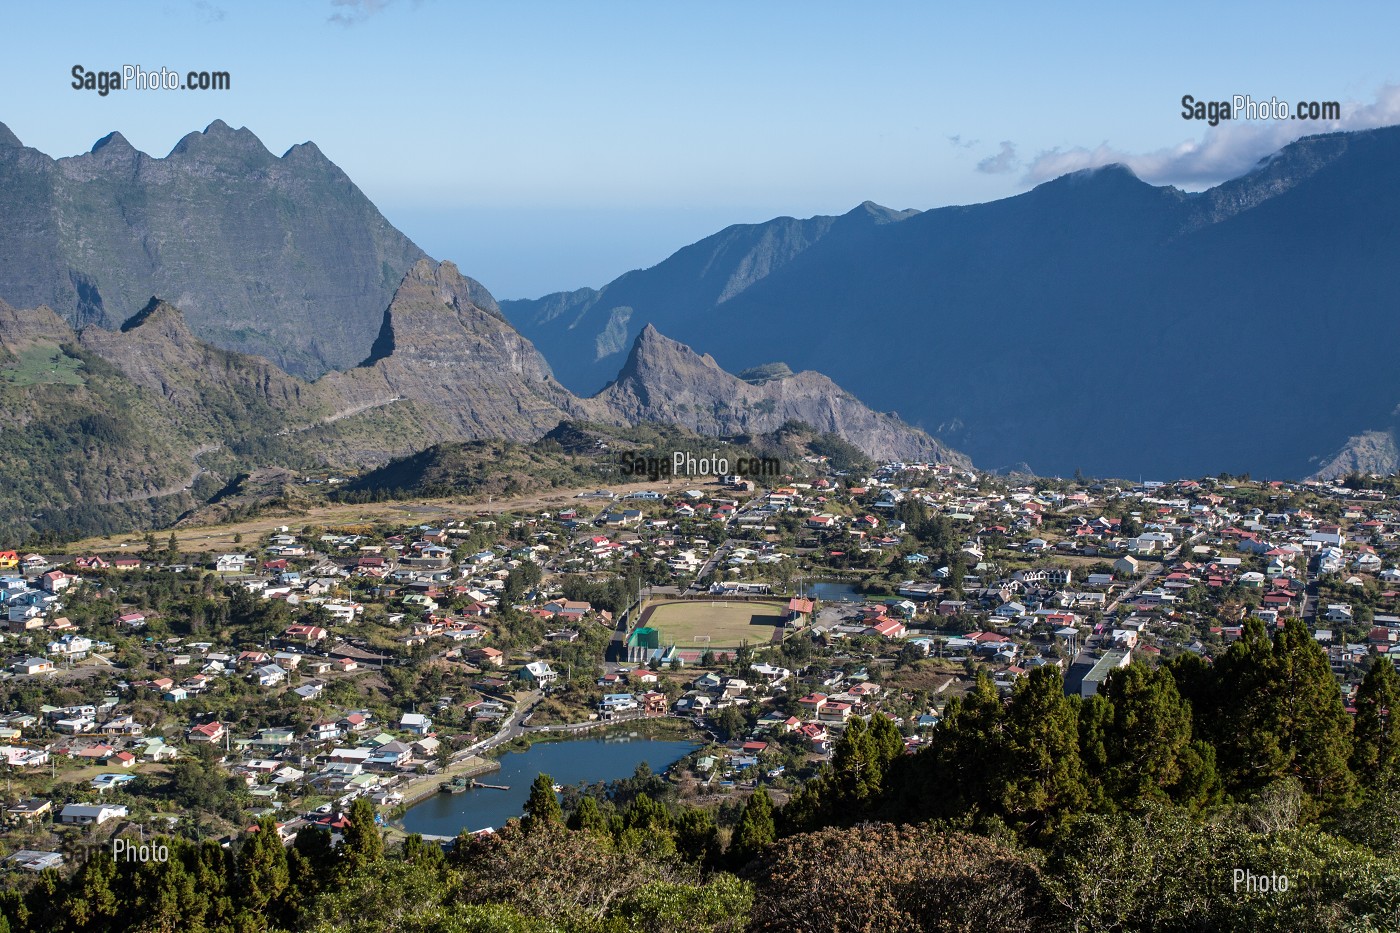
134	77
1244	107
682	463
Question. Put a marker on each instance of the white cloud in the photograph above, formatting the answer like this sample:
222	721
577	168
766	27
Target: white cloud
1004	161
1225	151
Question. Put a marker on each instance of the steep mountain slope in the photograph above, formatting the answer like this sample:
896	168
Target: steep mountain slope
112	429
283	257
85	448
439	347
665	381
1095	322
586	332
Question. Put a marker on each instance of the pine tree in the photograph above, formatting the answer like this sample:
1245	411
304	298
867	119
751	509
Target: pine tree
1376	730
856	772
587	816
262	866
647	814
1151	729
886	742
957	773
697	836
1278	714
1320	727
808	808
1043	779
1241	720
543	806
1095	721
1199	787
755	831
91	902
362	845
423	855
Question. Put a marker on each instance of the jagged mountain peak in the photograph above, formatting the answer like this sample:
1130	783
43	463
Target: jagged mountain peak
157	312
8	138
218	138
306	152
664	380
428	283
284	258
654	352
113	142
879	213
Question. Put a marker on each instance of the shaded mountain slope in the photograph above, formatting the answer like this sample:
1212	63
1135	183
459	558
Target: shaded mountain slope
283	257
1095	322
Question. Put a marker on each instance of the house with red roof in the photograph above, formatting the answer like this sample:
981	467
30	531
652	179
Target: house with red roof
209	732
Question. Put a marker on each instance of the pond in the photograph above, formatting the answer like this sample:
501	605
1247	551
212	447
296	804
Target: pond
834	591
569	762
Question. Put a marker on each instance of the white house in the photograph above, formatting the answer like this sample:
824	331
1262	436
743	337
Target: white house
417	723
81	814
540	673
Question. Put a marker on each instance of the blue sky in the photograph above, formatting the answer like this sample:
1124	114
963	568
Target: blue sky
548	145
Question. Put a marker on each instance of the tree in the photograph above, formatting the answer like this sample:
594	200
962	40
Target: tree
1044	782
697	836
857	774
362	845
1376	730
543	805
91	901
587	816
1151	728
310	862
721	904
886	742
262	866
1274	711
730	723
755	831
903	878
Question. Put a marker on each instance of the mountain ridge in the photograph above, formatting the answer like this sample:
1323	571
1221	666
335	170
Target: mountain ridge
1020	329
259	251
147	423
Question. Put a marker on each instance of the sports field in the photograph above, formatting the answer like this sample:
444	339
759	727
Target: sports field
700	624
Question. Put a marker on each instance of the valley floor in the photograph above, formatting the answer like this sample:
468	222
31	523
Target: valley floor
219	537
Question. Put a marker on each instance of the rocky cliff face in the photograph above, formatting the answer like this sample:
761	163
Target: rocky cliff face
668	382
1368	452
282	257
157	350
19	329
441	348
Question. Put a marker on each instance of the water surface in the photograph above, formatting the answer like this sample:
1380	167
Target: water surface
834	591
568	762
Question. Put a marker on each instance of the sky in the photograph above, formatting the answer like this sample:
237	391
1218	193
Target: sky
552	144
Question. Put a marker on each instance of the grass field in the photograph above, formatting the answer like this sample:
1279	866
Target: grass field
726	623
43	363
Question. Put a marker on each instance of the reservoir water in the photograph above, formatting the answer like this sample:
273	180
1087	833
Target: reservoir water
834	591
574	761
